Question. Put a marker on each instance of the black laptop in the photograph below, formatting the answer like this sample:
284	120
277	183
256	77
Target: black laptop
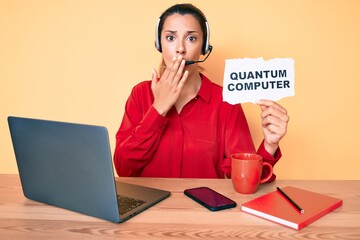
69	165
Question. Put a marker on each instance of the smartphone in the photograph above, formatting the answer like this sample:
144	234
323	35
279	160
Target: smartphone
209	198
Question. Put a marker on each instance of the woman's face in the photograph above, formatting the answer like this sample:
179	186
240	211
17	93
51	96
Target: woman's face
181	35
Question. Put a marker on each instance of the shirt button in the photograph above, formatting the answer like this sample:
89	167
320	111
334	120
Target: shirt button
196	98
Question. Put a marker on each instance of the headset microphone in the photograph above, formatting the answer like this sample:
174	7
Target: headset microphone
192	62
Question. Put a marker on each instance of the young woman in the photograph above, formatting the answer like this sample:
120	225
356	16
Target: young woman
177	124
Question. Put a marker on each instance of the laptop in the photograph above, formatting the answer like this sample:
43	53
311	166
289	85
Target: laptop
69	165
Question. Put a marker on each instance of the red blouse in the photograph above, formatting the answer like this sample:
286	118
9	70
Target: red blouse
195	143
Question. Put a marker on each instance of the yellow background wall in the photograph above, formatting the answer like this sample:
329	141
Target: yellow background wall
77	60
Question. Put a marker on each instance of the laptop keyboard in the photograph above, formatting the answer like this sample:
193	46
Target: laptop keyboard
127	204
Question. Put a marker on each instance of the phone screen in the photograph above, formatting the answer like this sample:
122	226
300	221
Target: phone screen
210	198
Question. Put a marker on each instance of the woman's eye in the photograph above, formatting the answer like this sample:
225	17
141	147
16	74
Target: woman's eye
191	38
170	38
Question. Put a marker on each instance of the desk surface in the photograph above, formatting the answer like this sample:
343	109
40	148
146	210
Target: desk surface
177	217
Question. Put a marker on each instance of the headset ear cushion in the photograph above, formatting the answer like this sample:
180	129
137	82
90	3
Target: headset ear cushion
157	36
157	46
206	46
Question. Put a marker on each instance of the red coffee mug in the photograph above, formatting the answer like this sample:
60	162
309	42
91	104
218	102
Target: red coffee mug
246	170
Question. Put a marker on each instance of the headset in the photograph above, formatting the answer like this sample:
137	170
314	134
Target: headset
206	48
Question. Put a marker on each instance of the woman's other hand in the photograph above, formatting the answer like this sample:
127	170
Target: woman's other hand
274	124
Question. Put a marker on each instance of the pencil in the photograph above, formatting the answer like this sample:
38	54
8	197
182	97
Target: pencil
290	200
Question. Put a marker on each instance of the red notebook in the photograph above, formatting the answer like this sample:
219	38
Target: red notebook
275	207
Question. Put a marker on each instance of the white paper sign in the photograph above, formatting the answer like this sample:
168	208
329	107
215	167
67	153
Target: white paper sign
252	79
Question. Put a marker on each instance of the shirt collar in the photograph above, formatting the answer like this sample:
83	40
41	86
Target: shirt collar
205	89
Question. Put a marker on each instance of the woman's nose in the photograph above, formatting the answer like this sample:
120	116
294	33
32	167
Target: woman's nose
181	49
